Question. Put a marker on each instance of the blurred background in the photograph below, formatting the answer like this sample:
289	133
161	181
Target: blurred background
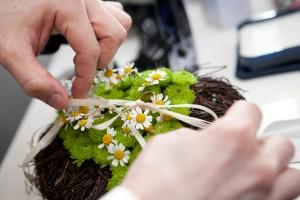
164	31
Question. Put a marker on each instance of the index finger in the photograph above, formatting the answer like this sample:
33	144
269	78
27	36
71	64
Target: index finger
243	117
74	24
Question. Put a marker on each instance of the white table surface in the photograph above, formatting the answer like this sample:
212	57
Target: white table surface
213	45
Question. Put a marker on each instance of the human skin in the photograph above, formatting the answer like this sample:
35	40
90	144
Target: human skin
223	162
94	29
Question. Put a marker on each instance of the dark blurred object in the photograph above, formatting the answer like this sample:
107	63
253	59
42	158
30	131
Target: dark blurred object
269	44
165	34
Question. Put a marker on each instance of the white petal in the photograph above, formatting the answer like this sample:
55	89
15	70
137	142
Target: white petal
146	112
111	148
139	126
139	110
121	147
156	82
122	163
101	146
115	162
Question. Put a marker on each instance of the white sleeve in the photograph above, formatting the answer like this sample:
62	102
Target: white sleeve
119	193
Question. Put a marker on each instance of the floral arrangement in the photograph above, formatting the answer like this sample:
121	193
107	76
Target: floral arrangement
88	149
127	127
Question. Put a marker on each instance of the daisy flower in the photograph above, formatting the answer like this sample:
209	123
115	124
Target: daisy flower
160	100
119	156
156	76
140	119
73	116
108	138
105	75
163	118
128	69
126	118
84	123
126	130
145	84
116	78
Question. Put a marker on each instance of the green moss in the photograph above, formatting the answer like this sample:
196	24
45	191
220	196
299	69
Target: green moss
125	84
135	153
100	156
137	80
101	89
80	148
118	174
153	88
146	73
182	92
96	135
165	127
113	94
133	93
184	78
128	141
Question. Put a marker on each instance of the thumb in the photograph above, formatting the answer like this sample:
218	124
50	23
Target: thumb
34	79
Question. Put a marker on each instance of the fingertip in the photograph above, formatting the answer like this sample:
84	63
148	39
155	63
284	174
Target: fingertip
243	109
58	100
80	88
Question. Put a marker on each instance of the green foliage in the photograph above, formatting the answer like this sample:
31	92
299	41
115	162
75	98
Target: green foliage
127	140
184	78
135	152
83	146
80	146
125	84
133	93
165	127
153	88
183	92
137	80
96	135
118	174
100	156
101	89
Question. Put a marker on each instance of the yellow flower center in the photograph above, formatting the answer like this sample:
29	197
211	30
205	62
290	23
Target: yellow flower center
160	102
119	77
146	83
108	73
126	130
140	118
128	117
74	113
119	155
166	118
127	70
107	139
84	109
148	129
83	122
156	76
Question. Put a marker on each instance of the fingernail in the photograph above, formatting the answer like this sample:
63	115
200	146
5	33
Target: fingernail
54	100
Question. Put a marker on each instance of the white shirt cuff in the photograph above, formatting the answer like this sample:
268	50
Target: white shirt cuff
120	193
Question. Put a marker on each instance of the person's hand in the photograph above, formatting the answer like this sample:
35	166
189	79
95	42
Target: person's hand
222	162
94	29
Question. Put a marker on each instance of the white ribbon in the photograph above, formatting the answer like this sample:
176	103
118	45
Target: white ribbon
103	103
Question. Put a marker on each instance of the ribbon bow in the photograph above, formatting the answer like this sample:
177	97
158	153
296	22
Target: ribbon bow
39	144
